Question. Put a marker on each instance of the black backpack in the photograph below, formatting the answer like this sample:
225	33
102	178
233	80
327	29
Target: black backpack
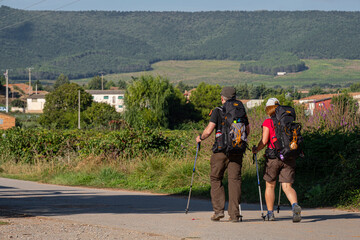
231	138
288	133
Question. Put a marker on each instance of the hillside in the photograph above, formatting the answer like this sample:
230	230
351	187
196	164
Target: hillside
80	44
192	72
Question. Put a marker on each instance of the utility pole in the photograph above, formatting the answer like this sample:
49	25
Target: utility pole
79	127
30	88
294	93
6	74
102	80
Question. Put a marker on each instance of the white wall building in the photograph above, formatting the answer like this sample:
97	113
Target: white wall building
254	103
112	97
35	103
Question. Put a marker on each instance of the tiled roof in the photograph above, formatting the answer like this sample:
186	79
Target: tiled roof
321	96
102	92
37	96
24	87
324	96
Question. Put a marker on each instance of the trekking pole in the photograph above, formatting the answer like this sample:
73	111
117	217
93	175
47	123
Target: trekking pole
258	179
278	207
240	213
192	178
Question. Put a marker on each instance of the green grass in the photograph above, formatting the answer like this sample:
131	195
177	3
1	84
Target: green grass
333	71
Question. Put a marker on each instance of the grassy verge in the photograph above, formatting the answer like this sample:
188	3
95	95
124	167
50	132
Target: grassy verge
161	173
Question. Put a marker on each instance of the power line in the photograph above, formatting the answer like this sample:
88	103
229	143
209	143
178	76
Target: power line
30	6
40	15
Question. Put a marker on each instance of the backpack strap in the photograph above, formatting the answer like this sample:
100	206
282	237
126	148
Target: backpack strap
273	123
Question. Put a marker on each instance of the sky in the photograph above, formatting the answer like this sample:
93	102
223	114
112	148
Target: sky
184	5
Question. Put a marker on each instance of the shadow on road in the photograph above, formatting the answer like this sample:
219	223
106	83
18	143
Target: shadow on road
65	202
68	201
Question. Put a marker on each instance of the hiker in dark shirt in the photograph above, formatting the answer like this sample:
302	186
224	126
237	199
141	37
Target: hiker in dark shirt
276	167
220	161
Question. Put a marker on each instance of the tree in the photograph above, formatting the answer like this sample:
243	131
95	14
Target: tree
261	92
61	80
346	103
205	98
182	87
18	103
37	86
96	83
2	82
242	91
315	91
147	101
355	87
122	84
99	115
61	107
109	85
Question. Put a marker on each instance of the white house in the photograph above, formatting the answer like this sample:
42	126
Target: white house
35	103
254	103
112	97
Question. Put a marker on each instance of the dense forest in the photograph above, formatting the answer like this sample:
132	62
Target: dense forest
274	62
82	44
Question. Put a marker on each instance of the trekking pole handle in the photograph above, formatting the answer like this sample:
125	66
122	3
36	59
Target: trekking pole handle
197	151
254	154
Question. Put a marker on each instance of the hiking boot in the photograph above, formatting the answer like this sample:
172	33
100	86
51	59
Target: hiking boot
296	213
270	216
217	216
234	220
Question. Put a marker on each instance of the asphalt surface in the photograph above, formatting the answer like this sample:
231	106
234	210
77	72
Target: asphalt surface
164	216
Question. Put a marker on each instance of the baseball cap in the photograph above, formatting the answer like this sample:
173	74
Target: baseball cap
272	102
228	92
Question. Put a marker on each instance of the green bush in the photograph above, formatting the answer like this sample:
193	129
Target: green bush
330	169
29	145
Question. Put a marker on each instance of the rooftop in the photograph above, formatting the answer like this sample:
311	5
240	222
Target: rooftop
37	96
102	92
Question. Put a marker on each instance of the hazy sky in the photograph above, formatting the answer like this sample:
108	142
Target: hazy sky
184	5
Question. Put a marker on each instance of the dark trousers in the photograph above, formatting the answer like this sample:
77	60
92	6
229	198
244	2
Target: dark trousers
219	163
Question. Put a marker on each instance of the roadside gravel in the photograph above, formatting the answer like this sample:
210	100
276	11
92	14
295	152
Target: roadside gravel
16	226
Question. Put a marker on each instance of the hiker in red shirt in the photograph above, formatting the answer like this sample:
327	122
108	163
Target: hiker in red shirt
275	167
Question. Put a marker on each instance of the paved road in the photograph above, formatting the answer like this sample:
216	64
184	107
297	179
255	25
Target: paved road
163	216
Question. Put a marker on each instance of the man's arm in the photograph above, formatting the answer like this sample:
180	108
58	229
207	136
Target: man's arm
207	132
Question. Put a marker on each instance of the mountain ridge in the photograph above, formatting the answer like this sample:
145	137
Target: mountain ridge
83	43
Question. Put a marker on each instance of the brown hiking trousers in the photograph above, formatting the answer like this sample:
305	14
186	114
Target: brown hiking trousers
219	162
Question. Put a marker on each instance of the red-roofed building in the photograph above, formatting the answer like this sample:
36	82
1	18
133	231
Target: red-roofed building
322	101
23	89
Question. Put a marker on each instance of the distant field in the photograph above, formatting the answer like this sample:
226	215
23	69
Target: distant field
334	71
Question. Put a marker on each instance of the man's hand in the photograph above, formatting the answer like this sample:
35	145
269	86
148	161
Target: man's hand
254	149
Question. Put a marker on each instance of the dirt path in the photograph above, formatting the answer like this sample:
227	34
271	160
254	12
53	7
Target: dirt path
42	211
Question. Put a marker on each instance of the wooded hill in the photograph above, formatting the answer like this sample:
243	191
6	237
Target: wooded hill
81	44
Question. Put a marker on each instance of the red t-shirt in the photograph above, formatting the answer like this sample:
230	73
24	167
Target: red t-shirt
270	125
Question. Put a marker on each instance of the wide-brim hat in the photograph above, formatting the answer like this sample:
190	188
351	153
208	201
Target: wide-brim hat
228	92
